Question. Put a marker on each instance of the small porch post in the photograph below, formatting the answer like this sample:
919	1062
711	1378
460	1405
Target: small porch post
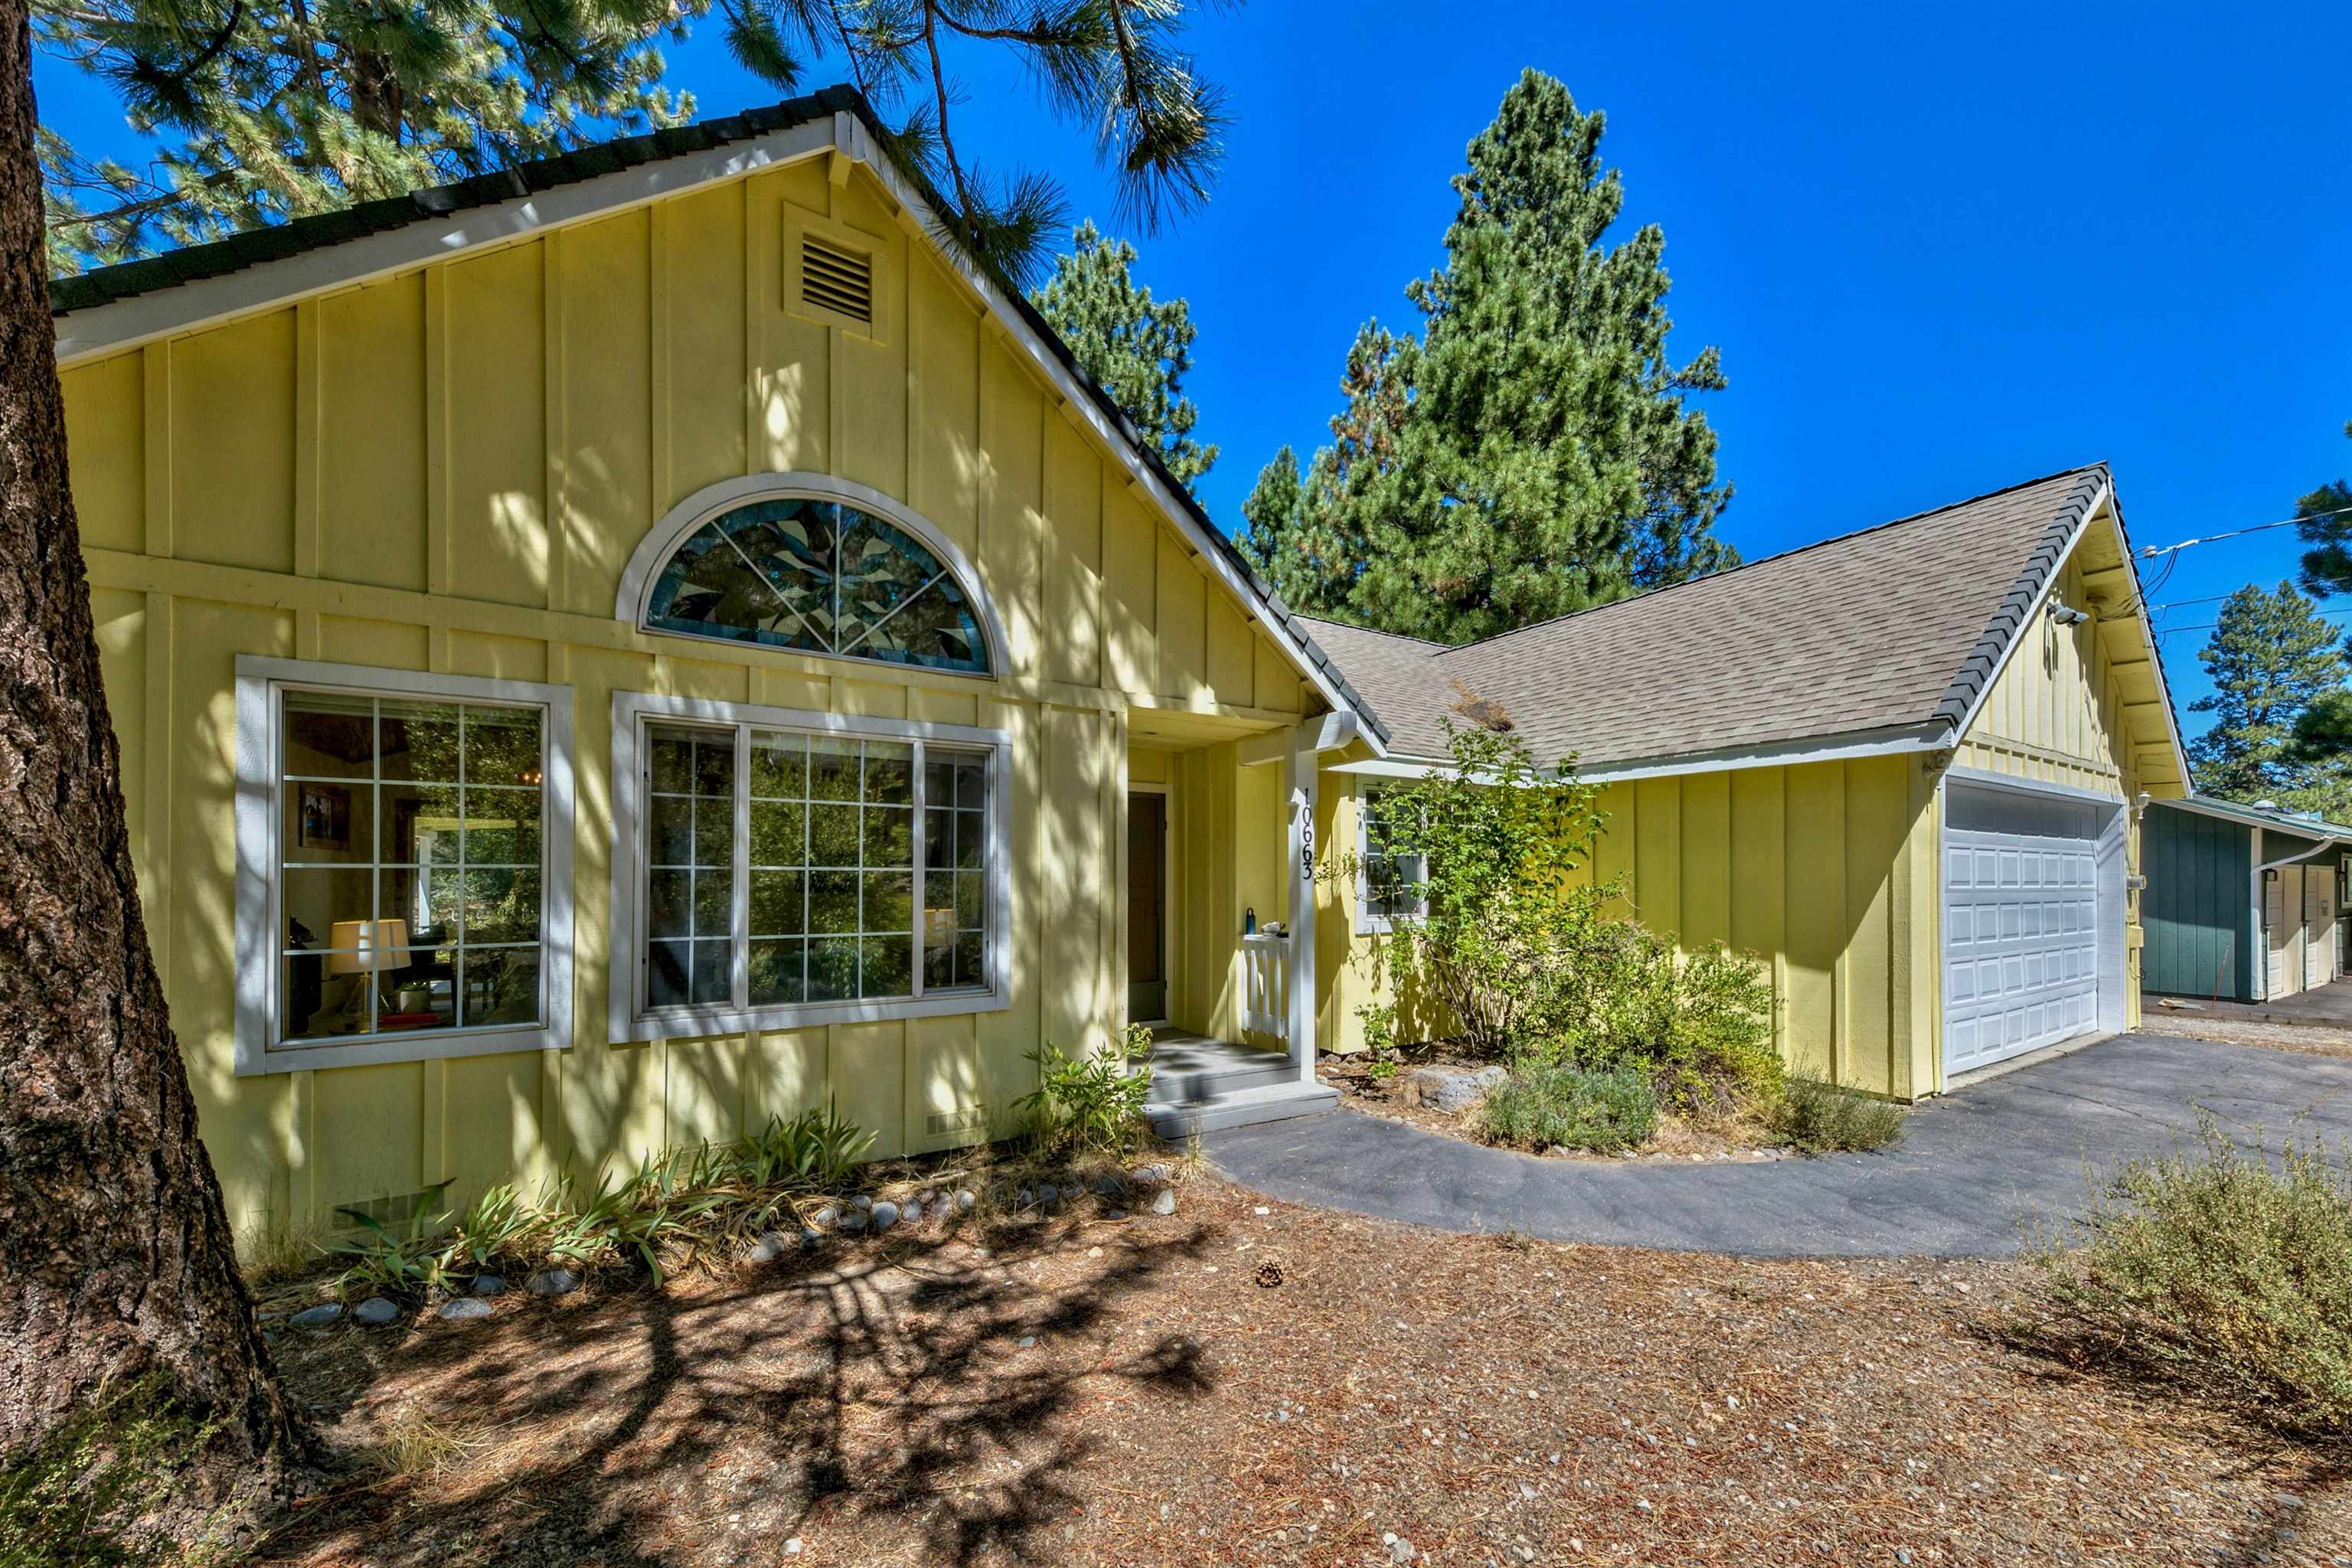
1301	779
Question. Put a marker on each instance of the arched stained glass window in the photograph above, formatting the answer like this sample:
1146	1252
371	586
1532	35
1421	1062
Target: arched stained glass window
818	576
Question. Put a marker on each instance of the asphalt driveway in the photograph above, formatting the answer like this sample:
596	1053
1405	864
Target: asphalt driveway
1977	1170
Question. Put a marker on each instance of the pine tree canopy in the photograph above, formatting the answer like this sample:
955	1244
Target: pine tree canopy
2271	659
1532	452
268	110
1138	349
2327	564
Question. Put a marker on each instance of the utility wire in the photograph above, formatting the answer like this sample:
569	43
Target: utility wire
2155	550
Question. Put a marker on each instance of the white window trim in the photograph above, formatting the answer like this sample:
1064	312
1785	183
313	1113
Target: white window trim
628	1021
1367	923
260	685
682	522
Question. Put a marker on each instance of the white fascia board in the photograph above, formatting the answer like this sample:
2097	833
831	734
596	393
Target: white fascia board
104	329
2104	501
1081	405
2246	816
269	285
2036	610
1823	749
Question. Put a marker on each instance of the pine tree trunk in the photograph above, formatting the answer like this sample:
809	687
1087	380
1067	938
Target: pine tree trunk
115	1256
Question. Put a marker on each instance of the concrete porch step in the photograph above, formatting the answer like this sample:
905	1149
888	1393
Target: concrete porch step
1244	1108
1190	1069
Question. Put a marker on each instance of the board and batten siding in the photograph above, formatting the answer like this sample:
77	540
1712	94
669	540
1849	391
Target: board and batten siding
1824	870
2198	908
447	470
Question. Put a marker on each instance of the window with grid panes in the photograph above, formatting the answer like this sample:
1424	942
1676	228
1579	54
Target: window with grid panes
785	868
409	892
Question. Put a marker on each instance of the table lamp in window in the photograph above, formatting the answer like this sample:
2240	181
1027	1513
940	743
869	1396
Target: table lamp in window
363	950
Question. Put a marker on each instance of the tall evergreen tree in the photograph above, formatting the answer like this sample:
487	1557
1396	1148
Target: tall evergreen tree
1136	347
116	1266
2327	564
1308	534
266	109
2271	658
1546	458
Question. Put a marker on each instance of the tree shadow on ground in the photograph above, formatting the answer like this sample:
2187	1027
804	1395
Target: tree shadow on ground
918	1390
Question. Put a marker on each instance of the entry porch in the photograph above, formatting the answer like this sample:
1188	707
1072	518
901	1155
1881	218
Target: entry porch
1218	863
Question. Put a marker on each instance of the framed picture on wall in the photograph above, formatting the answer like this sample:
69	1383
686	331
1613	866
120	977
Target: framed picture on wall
326	818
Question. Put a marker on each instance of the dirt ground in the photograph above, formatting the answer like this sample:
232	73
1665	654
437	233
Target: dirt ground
2310	1040
1246	1383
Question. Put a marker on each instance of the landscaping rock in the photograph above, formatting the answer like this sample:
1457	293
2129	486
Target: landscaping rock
861	1203
465	1309
966	1201
770	1246
325	1315
488	1284
853	1223
826	1214
915	1211
1110	1187
375	1312
1165	1201
810	1239
1450	1089
1152	1175
885	1215
1049	1194
1023	1197
554	1283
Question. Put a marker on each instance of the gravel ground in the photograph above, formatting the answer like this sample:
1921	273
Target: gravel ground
1247	1382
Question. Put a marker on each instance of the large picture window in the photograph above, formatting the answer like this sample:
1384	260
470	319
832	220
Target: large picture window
395	836
779	867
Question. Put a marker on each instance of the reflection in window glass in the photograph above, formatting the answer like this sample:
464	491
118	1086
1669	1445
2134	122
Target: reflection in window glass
411	887
857	856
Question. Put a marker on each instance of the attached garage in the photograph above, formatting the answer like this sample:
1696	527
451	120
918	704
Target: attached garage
2032	920
2244	903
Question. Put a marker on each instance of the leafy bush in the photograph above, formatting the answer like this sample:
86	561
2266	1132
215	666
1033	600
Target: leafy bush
1606	1111
2222	1274
1699	1024
1499	844
1092	1103
1817	1118
406	1263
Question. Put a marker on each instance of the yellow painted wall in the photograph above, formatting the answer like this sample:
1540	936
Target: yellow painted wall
2061	713
448	470
1822	870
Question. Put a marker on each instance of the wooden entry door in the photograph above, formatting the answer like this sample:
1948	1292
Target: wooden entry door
1147	908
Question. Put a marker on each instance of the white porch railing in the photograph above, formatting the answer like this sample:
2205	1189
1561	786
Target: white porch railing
1266	985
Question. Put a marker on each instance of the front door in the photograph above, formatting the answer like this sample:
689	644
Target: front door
1147	908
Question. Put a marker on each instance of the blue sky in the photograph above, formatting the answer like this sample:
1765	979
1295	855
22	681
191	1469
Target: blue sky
1942	249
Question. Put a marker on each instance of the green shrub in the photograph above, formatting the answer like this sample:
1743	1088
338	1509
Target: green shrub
1603	1110
1817	1118
1699	1024
1092	1103
2220	1273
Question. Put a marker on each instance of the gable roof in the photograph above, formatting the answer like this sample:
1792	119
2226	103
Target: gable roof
109	308
1889	636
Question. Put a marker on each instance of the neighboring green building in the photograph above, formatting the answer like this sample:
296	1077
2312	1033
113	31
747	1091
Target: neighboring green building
2241	901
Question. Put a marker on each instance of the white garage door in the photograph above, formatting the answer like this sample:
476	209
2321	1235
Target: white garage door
2021	895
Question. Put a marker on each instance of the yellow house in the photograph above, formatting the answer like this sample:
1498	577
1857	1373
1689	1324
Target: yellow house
1906	766
611	652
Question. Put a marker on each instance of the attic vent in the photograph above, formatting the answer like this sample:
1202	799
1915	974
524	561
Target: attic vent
835	279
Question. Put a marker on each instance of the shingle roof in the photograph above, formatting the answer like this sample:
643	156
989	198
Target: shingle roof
252	248
105	285
1896	628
